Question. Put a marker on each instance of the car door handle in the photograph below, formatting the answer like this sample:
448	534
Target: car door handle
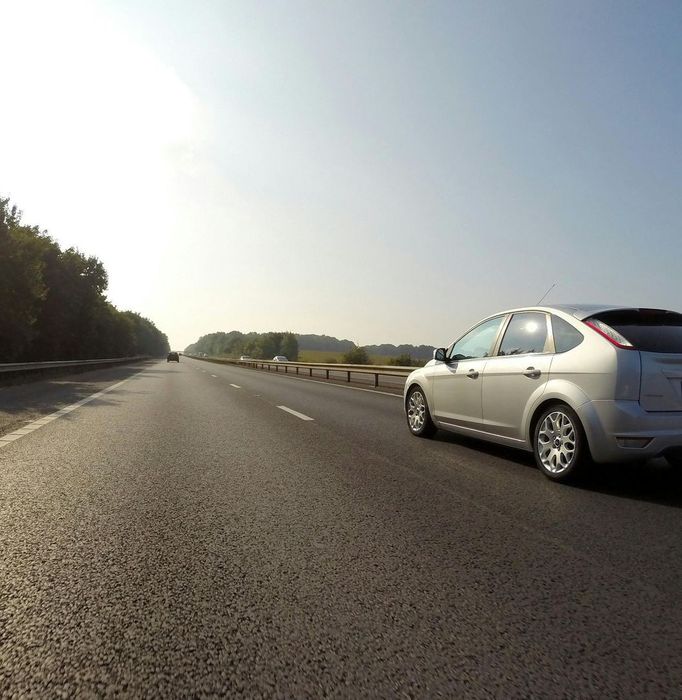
532	372
472	374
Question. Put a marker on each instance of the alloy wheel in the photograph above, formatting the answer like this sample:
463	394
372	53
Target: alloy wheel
416	411
556	442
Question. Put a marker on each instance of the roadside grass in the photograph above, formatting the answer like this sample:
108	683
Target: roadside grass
333	356
330	356
319	356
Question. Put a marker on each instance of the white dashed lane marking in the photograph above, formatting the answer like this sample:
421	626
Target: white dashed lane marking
215	375
236	386
302	416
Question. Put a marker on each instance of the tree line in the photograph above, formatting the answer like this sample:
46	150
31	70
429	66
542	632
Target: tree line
53	304
416	353
262	346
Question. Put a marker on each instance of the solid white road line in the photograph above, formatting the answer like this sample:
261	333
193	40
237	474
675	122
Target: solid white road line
215	375
302	416
236	386
40	422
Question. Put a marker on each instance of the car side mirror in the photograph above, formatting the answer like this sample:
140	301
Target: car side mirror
439	355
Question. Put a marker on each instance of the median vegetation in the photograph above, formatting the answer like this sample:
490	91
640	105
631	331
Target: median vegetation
261	346
53	304
264	346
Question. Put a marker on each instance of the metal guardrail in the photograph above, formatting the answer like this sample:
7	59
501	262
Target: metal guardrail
375	371
9	369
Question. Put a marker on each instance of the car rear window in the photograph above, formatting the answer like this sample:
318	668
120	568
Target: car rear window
649	330
565	336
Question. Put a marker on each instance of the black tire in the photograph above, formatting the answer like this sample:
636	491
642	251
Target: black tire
563	452
416	407
674	458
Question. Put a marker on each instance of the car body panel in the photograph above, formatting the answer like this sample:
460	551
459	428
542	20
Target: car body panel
606	421
457	392
509	381
616	392
661	386
583	311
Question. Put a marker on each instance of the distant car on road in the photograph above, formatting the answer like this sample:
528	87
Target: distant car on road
245	357
173	357
280	358
564	382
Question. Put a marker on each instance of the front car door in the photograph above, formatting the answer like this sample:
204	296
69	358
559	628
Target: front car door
517	373
457	381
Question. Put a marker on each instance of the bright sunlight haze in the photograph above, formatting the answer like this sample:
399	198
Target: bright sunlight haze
379	171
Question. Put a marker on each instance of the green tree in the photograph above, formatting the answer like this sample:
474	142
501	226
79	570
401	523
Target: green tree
22	289
258	345
52	302
289	346
147	338
404	360
356	356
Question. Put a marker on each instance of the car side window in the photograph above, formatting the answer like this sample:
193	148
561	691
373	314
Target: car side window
526	333
478	342
565	336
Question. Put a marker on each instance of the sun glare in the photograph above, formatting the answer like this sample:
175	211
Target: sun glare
98	111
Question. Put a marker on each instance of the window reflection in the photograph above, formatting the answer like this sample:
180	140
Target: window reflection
526	333
477	342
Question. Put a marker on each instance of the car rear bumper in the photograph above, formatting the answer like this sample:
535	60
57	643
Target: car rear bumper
614	427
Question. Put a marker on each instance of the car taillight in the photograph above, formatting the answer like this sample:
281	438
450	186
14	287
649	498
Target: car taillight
612	335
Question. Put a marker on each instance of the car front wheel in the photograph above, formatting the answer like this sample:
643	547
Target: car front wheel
559	443
418	417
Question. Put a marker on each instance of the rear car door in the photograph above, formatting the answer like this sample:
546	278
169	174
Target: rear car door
517	374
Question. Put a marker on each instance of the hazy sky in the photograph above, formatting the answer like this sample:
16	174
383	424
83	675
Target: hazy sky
381	171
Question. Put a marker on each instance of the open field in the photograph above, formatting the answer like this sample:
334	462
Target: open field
333	356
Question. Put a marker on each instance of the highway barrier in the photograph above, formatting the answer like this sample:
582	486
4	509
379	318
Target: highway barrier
332	372
21	371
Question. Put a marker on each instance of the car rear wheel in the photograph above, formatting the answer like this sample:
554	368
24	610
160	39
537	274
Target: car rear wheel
559	443
418	417
674	458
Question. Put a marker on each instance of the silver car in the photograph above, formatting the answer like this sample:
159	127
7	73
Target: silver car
568	383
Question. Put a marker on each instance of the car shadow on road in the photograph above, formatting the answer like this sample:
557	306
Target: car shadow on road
654	481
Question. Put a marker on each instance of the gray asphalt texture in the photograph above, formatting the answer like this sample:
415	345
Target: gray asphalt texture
181	537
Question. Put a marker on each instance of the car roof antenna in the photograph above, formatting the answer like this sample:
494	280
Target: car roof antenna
545	294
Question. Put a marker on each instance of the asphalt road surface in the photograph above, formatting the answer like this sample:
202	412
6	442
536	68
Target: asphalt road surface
190	532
